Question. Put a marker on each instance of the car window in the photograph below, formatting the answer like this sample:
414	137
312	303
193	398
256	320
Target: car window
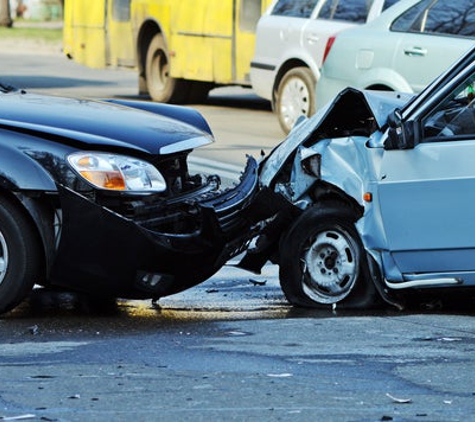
345	10
294	8
438	17
389	3
455	116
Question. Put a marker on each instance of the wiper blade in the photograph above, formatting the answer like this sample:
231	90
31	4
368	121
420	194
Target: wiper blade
7	88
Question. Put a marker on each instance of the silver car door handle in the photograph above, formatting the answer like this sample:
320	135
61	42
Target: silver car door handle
415	51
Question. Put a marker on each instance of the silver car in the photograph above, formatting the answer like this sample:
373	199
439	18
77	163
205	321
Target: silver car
374	196
290	44
404	49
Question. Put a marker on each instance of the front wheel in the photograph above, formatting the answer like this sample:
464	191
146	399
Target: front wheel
322	261
295	97
20	256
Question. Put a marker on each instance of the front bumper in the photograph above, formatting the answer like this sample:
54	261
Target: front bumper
103	252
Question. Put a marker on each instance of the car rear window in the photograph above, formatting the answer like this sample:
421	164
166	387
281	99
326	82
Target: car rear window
345	10
389	3
294	8
438	17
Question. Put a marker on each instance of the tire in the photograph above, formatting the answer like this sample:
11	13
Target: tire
323	261
295	97
161	86
20	256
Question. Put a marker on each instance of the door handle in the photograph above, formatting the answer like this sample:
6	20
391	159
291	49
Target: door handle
415	52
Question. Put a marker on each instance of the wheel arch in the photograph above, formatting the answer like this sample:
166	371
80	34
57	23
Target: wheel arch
383	79
284	68
23	182
328	193
379	87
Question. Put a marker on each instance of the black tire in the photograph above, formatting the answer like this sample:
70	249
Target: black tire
323	261
161	86
295	97
20	255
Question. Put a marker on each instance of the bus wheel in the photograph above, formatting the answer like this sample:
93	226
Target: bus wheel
161	86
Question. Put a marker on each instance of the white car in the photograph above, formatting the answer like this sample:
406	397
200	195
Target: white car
290	44
401	50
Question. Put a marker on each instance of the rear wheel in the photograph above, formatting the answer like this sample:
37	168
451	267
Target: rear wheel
161	86
20	255
322	261
295	97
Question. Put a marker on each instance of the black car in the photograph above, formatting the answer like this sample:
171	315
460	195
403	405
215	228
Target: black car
96	196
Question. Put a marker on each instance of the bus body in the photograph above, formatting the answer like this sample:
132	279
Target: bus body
181	49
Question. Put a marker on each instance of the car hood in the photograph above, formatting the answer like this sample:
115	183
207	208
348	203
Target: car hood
351	112
98	123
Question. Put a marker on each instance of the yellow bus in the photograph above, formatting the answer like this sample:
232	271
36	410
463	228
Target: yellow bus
180	48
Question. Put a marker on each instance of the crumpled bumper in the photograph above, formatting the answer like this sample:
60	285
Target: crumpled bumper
103	252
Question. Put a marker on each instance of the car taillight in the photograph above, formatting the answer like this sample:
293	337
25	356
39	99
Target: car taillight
328	47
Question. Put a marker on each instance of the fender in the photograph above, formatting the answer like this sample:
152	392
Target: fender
383	77
21	177
20	172
42	213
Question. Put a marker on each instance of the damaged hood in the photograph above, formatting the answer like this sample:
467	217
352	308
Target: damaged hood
351	111
98	123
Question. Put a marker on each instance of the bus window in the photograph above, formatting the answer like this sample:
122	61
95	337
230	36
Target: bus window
121	10
249	15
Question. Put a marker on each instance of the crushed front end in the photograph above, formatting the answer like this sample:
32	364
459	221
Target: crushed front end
152	246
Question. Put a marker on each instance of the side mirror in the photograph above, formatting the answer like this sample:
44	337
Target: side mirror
400	134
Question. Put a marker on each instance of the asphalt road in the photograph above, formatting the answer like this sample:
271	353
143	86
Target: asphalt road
214	354
231	348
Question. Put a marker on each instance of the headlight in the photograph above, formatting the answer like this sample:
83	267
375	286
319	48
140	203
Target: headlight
117	172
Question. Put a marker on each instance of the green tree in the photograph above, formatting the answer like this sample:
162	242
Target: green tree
5	15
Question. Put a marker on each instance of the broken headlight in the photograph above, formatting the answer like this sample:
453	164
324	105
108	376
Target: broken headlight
117	172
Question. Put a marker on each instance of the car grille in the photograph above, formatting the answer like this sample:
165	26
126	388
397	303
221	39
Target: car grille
187	213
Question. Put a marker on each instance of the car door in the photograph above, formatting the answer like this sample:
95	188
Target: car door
430	31
281	31
427	194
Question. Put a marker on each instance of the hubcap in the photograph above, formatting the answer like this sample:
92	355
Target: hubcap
3	258
295	101
330	266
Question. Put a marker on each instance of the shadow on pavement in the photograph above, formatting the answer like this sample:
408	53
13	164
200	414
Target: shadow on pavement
46	82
